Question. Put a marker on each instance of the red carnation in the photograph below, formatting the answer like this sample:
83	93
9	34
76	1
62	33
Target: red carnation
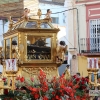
45	98
22	79
53	93
33	89
87	80
4	79
70	84
83	87
83	79
82	82
36	96
74	76
77	79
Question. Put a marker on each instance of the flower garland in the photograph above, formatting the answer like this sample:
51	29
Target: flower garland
55	89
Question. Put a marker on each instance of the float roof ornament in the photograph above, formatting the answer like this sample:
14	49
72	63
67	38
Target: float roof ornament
30	23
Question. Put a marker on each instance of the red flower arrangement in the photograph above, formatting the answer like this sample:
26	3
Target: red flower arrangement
57	88
83	89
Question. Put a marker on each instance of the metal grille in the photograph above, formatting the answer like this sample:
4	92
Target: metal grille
95	35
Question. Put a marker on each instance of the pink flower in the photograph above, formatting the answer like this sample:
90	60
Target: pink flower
18	78
32	79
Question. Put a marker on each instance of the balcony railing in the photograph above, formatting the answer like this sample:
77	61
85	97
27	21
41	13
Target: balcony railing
90	45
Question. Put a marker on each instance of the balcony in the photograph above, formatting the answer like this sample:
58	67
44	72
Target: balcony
90	46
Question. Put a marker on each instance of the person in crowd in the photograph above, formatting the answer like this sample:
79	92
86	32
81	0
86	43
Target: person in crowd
67	72
78	74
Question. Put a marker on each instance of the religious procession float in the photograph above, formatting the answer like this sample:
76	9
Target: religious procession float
31	60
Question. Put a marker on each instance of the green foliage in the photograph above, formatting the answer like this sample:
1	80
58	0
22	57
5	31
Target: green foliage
79	92
16	95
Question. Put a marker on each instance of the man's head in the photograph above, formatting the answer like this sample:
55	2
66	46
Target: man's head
78	74
62	43
68	66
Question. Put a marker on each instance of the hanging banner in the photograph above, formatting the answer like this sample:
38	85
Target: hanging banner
11	65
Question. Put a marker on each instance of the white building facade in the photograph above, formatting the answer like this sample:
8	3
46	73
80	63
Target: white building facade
72	31
83	28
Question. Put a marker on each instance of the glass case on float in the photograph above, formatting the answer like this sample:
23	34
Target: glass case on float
38	48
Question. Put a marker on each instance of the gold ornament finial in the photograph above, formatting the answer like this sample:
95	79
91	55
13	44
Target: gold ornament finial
39	13
10	23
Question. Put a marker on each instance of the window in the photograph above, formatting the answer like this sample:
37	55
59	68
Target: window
55	20
95	35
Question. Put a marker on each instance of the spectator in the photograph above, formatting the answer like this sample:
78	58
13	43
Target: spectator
78	74
67	72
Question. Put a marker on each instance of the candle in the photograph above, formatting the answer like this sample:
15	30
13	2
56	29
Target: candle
90	63
95	62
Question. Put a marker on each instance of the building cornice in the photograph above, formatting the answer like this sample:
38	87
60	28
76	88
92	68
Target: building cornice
52	2
87	2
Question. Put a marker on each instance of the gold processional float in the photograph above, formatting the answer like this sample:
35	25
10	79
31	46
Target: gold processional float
31	45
